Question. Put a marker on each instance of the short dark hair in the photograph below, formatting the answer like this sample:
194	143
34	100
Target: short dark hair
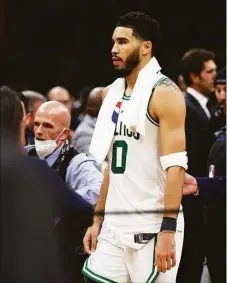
83	95
221	77
143	26
11	113
193	62
32	96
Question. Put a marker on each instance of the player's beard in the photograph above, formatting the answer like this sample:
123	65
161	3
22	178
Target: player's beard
131	62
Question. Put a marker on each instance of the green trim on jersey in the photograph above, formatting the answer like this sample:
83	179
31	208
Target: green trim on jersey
148	114
152	120
156	276
93	276
154	273
126	97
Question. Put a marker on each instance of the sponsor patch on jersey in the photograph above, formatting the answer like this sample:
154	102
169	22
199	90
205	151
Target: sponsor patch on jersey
116	112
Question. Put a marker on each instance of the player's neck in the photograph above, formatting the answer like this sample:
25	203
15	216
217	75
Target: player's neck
131	79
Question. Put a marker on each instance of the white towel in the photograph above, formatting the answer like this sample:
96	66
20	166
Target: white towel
106	122
133	117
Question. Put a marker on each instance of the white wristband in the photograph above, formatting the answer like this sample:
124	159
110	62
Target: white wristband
175	159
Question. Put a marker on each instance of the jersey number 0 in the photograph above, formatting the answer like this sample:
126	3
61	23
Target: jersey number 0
119	154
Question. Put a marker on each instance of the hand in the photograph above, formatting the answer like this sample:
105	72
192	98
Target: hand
165	251
90	238
190	185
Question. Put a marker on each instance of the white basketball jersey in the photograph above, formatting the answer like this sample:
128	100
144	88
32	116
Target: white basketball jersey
137	180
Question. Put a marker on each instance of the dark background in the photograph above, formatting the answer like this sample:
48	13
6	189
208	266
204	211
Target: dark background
68	42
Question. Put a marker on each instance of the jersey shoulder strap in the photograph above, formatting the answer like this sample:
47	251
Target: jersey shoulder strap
160	77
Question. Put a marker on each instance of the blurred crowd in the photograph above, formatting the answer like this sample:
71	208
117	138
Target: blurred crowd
56	127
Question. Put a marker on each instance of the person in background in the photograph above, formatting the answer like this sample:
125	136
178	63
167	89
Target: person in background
80	103
199	70
211	191
51	128
81	138
62	95
218	115
12	132
181	83
35	99
36	206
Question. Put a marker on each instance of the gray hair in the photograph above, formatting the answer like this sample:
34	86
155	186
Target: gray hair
33	96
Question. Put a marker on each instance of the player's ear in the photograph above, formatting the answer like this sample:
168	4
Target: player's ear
146	47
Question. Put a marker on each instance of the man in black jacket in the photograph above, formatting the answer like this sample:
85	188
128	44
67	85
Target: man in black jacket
198	69
211	191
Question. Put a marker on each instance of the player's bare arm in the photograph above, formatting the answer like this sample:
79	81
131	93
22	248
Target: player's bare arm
100	206
90	238
168	106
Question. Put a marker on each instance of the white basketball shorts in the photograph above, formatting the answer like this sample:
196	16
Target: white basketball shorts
113	262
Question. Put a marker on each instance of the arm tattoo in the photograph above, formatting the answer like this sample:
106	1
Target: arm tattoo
168	83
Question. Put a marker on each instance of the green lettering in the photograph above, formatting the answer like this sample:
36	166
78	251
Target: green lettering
117	168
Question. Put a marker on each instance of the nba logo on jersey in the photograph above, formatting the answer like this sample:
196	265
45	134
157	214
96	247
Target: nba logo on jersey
116	112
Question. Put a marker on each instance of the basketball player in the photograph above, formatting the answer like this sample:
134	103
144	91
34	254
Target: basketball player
145	172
